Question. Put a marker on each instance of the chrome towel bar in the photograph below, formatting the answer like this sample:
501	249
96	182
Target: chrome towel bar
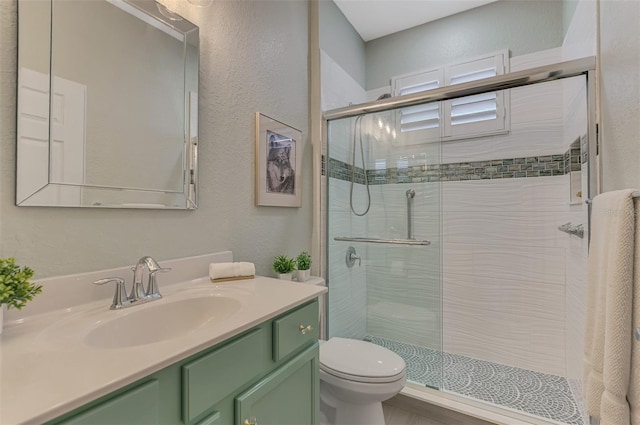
377	240
634	195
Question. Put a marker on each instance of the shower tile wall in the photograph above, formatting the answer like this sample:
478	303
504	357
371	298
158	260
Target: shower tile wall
503	271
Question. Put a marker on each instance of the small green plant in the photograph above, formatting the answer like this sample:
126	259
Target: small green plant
15	287
303	261
283	264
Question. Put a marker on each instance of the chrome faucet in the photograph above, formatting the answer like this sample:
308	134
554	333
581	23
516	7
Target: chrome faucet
138	294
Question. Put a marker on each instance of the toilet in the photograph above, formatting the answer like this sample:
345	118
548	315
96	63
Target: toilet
355	378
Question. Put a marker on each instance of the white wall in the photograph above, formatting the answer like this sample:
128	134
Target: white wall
620	93
503	271
253	58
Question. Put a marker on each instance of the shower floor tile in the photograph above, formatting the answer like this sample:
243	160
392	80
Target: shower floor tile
540	394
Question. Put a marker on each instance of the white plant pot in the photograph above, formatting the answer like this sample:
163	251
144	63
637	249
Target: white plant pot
285	276
303	275
2	308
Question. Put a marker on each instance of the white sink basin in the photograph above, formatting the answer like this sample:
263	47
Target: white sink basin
160	321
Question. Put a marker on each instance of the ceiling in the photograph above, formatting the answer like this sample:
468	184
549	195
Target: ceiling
377	18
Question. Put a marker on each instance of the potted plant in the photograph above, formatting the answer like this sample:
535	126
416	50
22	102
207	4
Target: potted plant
15	287
303	262
284	267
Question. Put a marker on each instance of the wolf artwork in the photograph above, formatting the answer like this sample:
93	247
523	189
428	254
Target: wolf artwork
280	173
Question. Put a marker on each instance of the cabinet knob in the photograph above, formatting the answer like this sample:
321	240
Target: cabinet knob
251	421
305	329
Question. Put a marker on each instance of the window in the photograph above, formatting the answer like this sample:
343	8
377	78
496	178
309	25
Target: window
469	116
420	117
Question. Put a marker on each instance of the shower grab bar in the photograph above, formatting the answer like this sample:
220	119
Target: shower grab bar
572	230
377	240
410	195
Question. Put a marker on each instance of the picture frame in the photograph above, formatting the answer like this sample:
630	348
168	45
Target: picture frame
278	163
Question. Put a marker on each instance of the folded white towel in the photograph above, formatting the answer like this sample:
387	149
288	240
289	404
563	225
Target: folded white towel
227	270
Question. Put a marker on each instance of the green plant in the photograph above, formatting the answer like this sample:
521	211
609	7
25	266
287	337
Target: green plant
283	264
15	287
304	261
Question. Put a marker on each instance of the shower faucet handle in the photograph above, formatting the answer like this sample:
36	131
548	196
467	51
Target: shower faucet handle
352	257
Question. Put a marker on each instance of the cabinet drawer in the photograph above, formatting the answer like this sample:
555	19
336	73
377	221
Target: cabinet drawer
212	377
139	405
291	331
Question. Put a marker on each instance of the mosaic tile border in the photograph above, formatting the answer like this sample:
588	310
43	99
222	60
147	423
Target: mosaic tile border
539	394
534	166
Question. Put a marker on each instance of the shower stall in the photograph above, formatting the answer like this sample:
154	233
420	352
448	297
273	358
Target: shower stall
466	255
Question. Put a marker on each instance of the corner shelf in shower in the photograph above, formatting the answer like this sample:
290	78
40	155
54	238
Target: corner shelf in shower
387	241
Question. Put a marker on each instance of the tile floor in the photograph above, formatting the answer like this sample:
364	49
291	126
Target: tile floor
540	394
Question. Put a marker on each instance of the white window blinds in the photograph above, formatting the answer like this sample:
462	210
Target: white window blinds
420	117
479	114
464	117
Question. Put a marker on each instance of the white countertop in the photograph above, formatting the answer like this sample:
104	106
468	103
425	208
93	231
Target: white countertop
48	369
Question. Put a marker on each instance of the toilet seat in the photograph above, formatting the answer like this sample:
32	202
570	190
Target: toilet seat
360	361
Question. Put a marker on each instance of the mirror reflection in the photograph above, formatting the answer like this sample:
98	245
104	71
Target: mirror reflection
107	106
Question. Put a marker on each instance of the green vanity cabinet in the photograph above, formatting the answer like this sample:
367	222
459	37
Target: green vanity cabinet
139	405
288	396
269	373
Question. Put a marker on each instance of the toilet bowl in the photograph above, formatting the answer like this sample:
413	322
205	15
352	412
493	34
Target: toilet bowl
355	378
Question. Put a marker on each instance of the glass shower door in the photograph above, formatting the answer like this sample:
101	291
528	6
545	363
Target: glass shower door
384	239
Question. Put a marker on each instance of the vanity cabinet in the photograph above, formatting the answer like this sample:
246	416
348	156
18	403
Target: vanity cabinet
266	375
285	397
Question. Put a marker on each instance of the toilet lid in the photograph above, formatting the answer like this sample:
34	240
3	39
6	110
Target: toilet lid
360	361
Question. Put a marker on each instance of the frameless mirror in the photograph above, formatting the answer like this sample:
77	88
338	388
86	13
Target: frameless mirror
107	105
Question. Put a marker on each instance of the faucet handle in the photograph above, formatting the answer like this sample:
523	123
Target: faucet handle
152	287
120	297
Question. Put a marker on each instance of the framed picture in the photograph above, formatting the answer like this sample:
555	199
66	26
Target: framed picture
278	163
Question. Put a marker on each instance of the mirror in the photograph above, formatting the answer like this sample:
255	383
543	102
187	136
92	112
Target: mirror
107	105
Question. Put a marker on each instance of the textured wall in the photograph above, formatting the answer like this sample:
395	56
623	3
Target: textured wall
521	26
620	93
253	58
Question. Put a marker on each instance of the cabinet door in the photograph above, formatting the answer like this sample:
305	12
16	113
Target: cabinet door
288	396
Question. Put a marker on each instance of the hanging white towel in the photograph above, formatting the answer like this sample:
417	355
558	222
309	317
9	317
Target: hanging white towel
634	379
614	263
